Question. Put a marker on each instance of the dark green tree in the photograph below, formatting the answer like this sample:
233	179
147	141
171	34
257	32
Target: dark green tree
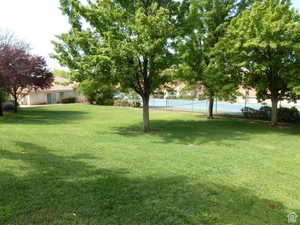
126	43
262	46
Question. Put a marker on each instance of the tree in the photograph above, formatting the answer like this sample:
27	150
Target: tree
21	72
126	43
262	45
205	24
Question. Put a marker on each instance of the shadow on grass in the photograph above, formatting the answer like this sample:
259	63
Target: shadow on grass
65	190
43	116
201	131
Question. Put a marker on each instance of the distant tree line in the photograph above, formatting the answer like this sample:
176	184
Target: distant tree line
221	45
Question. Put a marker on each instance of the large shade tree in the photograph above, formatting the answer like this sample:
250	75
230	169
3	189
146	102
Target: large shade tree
127	43
263	46
204	25
20	71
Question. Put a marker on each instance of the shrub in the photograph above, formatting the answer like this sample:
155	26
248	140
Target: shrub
122	102
8	106
264	113
97	93
68	99
127	103
136	104
249	112
289	115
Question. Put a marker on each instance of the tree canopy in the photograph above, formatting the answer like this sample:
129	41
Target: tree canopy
122	42
262	46
20	71
204	25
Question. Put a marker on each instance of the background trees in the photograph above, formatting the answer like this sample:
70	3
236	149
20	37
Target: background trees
204	25
262	46
20	71
218	44
124	42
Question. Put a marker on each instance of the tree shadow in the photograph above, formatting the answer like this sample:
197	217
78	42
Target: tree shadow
43	116
68	190
201	131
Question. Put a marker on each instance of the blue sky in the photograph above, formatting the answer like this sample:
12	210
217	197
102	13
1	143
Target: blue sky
38	21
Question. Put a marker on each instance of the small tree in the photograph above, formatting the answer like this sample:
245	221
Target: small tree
126	43
262	46
21	72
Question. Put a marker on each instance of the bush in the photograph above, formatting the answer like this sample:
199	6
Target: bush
68	99
264	113
8	106
290	115
127	103
122	102
249	112
136	104
97	93
105	97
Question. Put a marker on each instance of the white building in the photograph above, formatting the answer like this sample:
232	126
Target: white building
61	88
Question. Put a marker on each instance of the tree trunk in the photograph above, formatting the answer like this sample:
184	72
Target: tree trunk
16	104
274	111
146	114
211	108
1	109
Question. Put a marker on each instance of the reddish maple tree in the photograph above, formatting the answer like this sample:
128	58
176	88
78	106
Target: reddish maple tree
22	72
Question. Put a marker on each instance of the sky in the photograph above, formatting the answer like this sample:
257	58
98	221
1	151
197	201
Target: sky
38	21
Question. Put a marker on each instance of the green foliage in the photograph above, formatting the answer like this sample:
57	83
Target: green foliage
68	99
289	115
126	43
206	23
5	214
122	43
262	47
62	73
8	106
3	95
95	92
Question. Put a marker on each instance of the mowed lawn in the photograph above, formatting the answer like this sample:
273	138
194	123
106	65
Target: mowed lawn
92	165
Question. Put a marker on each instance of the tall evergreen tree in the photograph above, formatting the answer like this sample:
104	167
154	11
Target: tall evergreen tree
121	42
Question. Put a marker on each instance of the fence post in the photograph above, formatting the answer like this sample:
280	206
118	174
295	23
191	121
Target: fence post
216	105
166	104
192	105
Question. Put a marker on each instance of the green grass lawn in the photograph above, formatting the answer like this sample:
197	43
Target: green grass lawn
91	165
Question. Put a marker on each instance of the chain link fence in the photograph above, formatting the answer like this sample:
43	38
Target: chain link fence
220	107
